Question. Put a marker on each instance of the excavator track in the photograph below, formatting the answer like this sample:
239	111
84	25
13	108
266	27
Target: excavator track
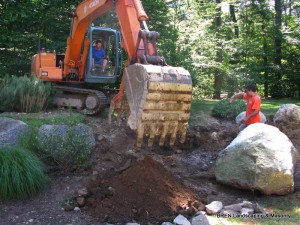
159	99
92	101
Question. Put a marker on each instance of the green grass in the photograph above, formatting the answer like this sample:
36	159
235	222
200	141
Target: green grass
268	107
204	106
276	205
35	120
21	174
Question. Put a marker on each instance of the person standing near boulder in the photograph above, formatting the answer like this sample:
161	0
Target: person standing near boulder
253	105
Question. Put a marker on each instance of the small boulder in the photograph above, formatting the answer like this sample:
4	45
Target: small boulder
200	219
53	137
287	119
10	131
242	115
82	191
234	207
204	122
214	207
80	201
247	211
181	220
259	158
76	209
229	212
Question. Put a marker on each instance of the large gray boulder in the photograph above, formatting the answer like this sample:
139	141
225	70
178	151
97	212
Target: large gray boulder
259	158
54	137
287	119
10	131
242	115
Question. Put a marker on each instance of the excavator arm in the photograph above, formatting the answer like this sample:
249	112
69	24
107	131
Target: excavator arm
159	96
130	14
85	13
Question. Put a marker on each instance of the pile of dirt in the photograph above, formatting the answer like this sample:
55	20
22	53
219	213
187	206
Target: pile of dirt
146	192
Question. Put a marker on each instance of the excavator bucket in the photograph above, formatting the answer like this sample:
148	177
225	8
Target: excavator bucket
159	99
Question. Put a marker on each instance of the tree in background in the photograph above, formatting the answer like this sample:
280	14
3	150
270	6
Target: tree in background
252	41
254	48
21	22
276	88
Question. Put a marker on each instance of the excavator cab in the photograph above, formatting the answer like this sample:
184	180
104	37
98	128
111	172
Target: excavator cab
111	40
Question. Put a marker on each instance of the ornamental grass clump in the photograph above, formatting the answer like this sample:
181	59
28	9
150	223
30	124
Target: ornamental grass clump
225	110
24	94
21	174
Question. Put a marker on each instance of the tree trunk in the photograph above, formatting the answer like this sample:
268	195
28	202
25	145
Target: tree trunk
232	15
265	50
219	54
266	69
277	92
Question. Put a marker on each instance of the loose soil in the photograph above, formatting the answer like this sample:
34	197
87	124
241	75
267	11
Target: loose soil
129	184
146	192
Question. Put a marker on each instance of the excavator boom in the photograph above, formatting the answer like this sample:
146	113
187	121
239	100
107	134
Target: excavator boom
158	95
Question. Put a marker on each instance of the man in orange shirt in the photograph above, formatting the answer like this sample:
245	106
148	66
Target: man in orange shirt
253	105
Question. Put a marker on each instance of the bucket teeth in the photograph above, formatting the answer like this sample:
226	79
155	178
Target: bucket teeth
173	134
140	135
153	131
160	100
162	131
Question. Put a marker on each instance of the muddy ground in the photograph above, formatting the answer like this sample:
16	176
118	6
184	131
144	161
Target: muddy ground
130	184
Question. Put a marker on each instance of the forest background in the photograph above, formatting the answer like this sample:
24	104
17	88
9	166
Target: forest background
223	44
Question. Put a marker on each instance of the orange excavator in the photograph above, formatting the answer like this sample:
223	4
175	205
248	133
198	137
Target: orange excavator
157	96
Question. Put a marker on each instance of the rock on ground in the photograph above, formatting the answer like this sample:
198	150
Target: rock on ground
242	115
10	131
214	207
201	219
181	220
259	158
53	137
287	119
204	122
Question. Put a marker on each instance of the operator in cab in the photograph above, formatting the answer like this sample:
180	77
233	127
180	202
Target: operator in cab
99	57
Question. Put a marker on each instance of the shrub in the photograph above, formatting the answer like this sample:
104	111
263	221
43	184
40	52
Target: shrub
69	147
24	94
21	174
29	140
224	110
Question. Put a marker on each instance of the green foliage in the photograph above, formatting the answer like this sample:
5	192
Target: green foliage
69	151
30	139
225	110
24	94
203	106
160	21
21	22
21	174
189	38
